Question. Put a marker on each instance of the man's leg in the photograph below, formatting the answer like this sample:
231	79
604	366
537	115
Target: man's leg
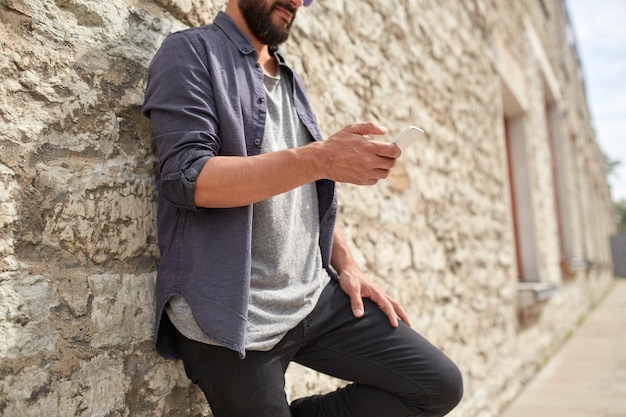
252	387
396	372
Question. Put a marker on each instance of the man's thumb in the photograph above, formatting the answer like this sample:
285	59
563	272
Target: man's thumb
367	128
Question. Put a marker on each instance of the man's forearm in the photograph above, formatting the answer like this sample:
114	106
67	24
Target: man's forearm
231	181
341	257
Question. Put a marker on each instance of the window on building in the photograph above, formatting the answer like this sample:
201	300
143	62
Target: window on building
522	211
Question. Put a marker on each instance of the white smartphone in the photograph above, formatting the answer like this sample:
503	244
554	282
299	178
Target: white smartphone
407	137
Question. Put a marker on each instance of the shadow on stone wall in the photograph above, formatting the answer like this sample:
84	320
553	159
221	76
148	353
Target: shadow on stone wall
79	233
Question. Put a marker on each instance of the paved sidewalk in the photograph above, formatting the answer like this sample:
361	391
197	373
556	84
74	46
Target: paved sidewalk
587	376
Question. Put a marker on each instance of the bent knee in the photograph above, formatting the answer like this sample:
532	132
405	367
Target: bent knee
450	391
443	394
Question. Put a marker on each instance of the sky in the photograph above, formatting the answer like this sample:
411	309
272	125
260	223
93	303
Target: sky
600	32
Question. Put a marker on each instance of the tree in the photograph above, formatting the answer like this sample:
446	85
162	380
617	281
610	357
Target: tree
611	165
620	206
620	216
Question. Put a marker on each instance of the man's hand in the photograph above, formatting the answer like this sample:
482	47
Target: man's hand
354	283
350	156
347	156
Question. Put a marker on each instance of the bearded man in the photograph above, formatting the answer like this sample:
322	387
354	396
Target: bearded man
254	271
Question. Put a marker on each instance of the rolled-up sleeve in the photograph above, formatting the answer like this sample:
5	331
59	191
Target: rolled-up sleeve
181	106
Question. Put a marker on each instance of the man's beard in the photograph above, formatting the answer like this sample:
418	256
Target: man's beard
259	20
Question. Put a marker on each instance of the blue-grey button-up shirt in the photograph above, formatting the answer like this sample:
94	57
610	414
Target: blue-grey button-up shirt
205	97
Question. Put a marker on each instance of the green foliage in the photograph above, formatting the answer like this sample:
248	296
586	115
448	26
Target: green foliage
611	164
620	207
620	214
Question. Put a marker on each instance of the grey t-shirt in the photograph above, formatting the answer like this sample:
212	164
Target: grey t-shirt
287	276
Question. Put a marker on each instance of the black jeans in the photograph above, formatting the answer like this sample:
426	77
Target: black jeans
395	371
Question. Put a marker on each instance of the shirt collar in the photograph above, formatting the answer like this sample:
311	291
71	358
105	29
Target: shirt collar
238	37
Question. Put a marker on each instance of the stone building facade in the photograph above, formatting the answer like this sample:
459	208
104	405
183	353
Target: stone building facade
493	231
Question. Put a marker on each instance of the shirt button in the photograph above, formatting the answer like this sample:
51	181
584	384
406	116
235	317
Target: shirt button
257	142
261	100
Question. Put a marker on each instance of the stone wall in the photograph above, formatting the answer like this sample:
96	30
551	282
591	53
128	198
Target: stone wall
77	203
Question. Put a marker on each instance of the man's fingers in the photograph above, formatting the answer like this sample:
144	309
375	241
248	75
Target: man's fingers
381	148
357	306
390	311
401	313
387	150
